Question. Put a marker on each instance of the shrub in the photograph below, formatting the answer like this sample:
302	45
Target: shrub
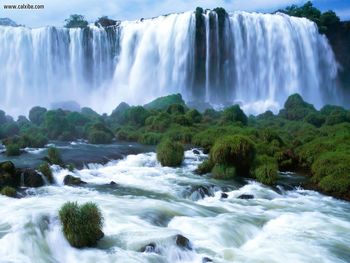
13	150
159	122
76	21
224	172
137	115
150	138
335	164
315	119
54	156
237	151
99	137
128	133
266	170
9	191
234	114
82	225
36	115
176	109
46	171
205	167
295	108
193	116
339	184
170	153
119	113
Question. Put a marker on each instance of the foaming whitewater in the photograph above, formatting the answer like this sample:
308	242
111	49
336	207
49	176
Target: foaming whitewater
150	204
253	59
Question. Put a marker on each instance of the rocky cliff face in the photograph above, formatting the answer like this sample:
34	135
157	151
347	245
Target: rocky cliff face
339	37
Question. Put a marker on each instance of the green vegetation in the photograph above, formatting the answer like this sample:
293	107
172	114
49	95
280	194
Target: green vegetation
325	21
54	156
76	21
299	138
46	171
170	153
9	191
82	224
12	150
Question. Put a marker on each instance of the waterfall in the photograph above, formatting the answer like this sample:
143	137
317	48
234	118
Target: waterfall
253	59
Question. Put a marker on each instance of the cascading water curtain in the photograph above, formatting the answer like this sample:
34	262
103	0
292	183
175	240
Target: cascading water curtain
253	59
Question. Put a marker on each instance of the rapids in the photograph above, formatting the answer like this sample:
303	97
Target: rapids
152	204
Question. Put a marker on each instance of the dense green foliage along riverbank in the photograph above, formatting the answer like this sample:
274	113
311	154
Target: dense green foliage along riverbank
299	138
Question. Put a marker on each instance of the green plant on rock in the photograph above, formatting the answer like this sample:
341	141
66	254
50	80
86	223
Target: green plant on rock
9	191
45	169
205	167
170	153
82	224
224	172
54	156
234	114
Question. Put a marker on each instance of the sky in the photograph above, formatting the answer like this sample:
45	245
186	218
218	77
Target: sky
56	11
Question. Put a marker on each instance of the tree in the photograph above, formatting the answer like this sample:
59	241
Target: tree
76	21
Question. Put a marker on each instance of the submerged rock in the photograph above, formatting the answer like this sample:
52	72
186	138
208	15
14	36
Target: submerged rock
112	183
183	242
72	180
150	248
32	179
246	196
206	259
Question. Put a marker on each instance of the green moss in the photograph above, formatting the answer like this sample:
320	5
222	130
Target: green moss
237	151
46	171
82	225
223	172
9	191
170	153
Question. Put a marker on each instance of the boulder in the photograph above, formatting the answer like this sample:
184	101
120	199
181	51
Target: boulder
150	248
206	259
72	180
32	179
195	151
8	175
183	242
224	195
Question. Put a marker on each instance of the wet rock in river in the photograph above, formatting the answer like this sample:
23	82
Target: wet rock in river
183	242
206	259
71	180
32	179
224	195
246	196
195	151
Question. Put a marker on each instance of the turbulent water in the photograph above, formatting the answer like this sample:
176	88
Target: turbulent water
253	59
152	204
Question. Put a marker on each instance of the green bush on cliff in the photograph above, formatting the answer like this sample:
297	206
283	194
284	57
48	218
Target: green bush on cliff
234	114
162	103
37	114
170	153
76	21
82	224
